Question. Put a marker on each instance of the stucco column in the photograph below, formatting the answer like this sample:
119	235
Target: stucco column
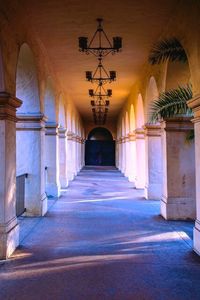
132	158
195	105
154	170
123	165
83	151
120	153
30	160
127	161
52	160
140	158
9	229
117	154
70	156
74	154
63	157
78	165
178	200
80	153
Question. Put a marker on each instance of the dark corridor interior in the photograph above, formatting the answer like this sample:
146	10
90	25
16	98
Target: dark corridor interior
100	148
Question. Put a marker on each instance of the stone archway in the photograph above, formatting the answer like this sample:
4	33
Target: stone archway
100	148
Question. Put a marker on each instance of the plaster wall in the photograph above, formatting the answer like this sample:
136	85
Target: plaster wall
30	160
178	74
26	82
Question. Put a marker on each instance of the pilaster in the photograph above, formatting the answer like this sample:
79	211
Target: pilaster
30	160
153	162
82	152
140	154
132	157
9	229
62	133
70	155
52	159
127	164
123	164
119	153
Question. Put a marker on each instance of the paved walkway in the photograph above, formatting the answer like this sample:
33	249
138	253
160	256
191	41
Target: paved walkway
101	240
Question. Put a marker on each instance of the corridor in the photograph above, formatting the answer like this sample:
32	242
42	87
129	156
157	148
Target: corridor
102	240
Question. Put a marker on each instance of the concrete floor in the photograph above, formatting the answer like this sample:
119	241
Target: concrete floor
102	240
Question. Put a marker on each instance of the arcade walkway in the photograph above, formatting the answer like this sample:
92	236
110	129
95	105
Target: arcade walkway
101	240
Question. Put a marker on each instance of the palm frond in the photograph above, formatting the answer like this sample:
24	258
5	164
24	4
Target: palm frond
171	103
170	49
190	136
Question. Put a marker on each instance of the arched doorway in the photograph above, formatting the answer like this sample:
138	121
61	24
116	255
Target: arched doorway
100	148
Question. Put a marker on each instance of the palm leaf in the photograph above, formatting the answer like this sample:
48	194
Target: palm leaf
171	103
168	49
190	136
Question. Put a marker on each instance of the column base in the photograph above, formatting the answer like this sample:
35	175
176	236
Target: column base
126	174
71	176
196	242
52	190
38	207
139	185
153	191
178	208
131	178
9	239
64	183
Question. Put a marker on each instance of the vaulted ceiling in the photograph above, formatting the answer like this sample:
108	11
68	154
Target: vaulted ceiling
60	23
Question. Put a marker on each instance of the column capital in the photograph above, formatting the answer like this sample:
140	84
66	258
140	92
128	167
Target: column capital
152	129
79	139
194	104
126	138
62	132
177	124
82	140
8	106
51	128
123	139
76	138
132	136
31	121
70	135
139	134
119	140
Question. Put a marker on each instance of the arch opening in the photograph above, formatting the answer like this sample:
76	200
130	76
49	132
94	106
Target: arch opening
27	88
100	148
100	134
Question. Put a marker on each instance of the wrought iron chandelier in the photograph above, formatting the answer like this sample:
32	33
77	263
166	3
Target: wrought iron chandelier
100	75
99	93
100	46
100	115
101	50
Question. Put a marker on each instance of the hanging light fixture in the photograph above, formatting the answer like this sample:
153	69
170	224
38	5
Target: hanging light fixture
100	46
100	92
99	115
100	75
99	37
